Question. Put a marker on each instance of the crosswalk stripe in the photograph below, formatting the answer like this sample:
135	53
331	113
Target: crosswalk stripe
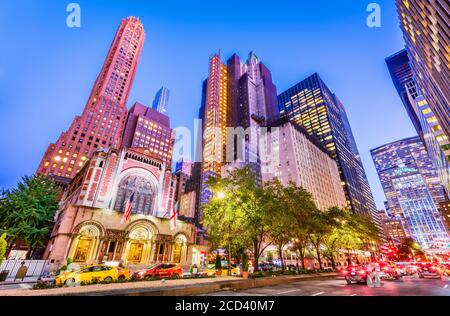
317	294
286	292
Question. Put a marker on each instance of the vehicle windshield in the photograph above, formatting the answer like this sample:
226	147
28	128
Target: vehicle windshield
152	266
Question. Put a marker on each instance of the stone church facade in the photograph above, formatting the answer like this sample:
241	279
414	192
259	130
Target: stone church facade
89	227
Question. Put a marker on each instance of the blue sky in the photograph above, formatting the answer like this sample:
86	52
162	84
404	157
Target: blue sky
48	69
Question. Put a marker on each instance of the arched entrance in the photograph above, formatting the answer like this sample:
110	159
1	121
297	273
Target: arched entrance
139	245
85	245
179	249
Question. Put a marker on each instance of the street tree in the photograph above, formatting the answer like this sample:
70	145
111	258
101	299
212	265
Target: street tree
3	245
223	219
251	200
27	211
322	225
280	220
300	208
409	249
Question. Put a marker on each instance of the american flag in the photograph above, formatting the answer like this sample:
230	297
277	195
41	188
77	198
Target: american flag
128	209
174	216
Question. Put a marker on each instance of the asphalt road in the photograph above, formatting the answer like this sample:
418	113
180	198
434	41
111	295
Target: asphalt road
338	287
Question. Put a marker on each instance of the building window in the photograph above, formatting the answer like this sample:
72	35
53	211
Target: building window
144	194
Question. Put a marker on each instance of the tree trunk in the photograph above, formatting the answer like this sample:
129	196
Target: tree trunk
256	254
280	254
29	253
229	260
349	260
333	263
302	257
319	258
10	248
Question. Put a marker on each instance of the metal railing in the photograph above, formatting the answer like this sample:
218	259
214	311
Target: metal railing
35	268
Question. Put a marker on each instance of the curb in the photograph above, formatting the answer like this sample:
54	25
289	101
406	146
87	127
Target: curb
199	289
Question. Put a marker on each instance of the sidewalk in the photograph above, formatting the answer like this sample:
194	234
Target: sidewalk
167	288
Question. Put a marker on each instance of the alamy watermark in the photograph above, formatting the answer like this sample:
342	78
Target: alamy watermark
74	18
374	18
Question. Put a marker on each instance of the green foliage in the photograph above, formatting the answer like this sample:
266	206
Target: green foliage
235	217
242	215
409	249
218	263
3	245
244	263
26	211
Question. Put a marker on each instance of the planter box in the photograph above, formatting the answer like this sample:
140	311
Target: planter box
3	275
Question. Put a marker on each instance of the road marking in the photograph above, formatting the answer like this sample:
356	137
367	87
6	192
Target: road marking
286	292
353	295
445	286
317	294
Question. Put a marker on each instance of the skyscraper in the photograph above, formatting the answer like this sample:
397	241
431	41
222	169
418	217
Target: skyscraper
423	118
403	79
312	105
161	101
102	121
215	121
240	96
412	188
425	26
146	128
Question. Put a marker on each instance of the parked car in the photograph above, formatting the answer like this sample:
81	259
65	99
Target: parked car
95	273
159	270
445	269
356	274
48	278
390	271
266	267
211	270
429	270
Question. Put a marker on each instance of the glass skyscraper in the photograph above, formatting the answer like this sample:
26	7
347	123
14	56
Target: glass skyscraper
422	117
412	188
425	26
161	101
311	104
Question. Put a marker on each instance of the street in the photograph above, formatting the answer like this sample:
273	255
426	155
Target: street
338	287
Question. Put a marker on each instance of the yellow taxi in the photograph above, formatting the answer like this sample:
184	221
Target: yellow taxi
211	270
95	273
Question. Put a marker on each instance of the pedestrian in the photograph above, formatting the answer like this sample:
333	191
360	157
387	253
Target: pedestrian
251	268
377	275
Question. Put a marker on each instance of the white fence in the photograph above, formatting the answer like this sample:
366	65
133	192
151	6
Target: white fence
35	268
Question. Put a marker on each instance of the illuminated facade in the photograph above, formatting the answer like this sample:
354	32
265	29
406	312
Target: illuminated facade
290	154
241	96
444	208
215	122
89	226
146	128
412	189
102	121
253	101
311	105
161	102
425	26
423	118
392	227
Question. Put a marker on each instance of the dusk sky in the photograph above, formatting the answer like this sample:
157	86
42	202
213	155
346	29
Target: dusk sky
47	69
